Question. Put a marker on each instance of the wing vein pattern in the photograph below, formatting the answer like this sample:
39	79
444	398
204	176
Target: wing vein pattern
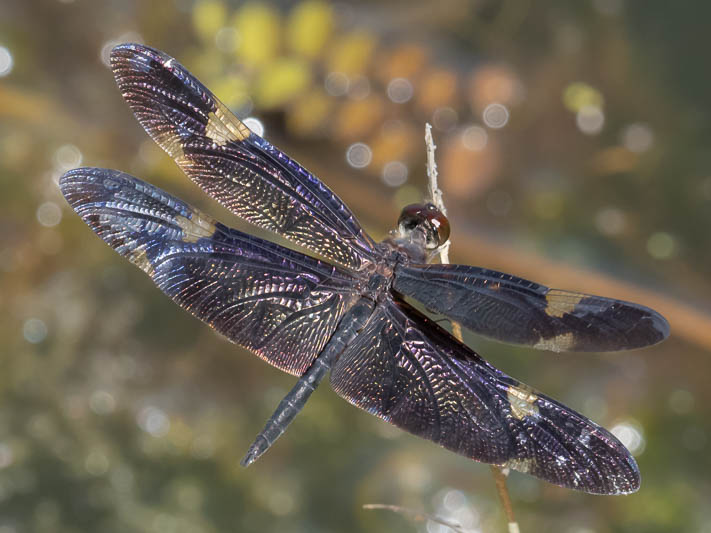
279	303
412	373
238	168
510	309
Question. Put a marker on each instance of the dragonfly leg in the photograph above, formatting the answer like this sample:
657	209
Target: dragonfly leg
351	324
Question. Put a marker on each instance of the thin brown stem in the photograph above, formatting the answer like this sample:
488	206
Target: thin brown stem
500	479
436	198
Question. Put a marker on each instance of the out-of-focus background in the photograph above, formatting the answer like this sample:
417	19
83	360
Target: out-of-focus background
574	149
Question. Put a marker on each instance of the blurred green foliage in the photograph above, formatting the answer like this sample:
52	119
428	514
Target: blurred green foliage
119	412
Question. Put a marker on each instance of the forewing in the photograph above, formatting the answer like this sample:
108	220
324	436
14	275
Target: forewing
511	309
412	373
232	164
281	304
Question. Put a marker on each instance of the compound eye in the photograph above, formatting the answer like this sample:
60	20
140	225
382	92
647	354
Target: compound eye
412	216
440	223
430	219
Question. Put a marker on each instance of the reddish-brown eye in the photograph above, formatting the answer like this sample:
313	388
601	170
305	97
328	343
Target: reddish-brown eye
430	219
440	223
412	215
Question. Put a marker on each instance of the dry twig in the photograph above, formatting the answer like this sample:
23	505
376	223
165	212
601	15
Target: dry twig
417	516
436	198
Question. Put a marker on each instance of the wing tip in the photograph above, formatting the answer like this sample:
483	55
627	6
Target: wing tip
84	185
131	59
76	179
80	175
168	101
661	324
651	328
619	478
134	50
627	482
629	485
622	476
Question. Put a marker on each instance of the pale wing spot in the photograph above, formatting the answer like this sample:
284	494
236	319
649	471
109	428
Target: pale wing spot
559	303
223	127
196	227
172	144
559	343
523	402
520	465
140	259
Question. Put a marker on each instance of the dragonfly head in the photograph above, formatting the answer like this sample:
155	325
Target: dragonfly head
426	220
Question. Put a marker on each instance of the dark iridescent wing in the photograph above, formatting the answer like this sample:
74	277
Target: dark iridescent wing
511	309
232	164
412	373
281	304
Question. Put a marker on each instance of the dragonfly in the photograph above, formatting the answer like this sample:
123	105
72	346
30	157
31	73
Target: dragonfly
345	308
